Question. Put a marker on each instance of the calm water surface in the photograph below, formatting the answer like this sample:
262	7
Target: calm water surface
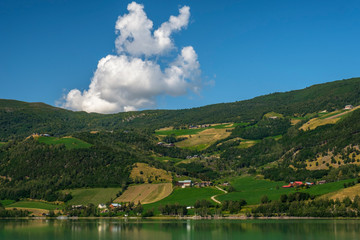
179	229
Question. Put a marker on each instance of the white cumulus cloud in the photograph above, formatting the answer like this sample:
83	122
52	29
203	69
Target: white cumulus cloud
133	78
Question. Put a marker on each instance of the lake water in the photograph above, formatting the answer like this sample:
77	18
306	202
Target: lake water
179	229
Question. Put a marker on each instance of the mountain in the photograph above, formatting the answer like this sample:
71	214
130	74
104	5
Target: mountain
20	119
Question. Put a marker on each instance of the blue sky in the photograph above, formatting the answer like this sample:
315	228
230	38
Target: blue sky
245	48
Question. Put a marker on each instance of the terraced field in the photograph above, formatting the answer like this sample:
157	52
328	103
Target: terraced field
146	193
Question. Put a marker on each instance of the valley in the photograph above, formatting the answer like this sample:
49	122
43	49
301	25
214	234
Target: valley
235	158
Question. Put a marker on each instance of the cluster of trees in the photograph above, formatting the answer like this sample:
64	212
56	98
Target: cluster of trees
197	170
89	210
173	209
233	206
304	205
39	171
262	129
173	139
13	212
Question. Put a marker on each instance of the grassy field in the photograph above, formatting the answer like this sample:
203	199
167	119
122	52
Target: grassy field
350	192
146	193
180	132
248	143
316	122
34	204
2	143
145	172
204	139
185	196
183	132
6	202
92	195
326	118
69	142
252	189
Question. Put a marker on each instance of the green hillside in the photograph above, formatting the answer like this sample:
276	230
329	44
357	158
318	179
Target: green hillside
255	137
21	119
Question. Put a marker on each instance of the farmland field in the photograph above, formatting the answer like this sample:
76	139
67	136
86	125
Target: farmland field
204	139
350	192
69	142
252	189
180	132
6	202
185	196
146	193
316	122
144	172
34	204
92	195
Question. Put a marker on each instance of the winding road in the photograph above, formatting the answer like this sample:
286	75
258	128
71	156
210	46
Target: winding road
213	197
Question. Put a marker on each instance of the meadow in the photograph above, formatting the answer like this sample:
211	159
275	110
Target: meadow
252	189
34	204
69	142
185	196
6	202
85	196
146	193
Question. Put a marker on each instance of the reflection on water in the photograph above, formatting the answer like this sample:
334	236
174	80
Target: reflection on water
179	229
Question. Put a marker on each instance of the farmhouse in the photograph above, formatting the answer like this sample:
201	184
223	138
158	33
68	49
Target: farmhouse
101	206
114	205
184	184
348	107
297	184
321	182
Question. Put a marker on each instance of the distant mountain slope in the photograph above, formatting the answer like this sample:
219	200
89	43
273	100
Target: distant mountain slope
19	119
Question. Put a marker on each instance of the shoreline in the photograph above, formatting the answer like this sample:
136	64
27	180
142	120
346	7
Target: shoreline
242	218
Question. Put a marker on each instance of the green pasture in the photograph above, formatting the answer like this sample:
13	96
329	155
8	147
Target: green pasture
180	132
185	196
35	204
6	202
85	196
70	143
252	189
199	147
332	114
